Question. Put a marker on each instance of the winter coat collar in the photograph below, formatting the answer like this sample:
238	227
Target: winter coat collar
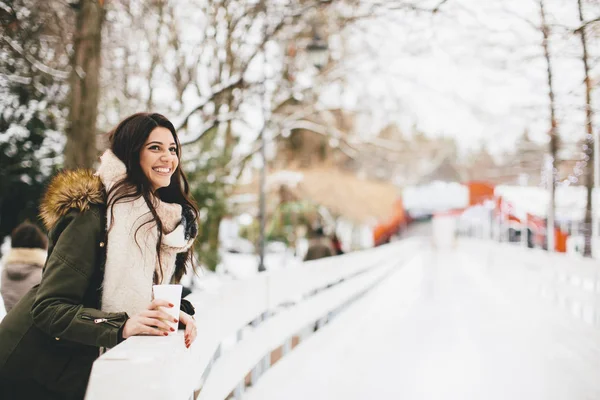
77	189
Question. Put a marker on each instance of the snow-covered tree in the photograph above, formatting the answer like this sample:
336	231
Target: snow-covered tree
33	90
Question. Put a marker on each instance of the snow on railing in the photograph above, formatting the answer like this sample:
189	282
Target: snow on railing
239	326
567	282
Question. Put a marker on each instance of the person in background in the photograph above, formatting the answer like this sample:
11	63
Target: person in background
319	246
113	235
337	245
22	265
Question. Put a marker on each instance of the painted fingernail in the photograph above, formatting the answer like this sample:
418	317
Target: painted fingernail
170	304
175	320
166	333
172	330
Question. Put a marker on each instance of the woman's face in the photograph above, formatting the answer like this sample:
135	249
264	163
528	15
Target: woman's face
158	158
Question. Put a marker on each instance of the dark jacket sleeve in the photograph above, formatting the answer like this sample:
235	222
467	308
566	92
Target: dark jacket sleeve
58	308
187	307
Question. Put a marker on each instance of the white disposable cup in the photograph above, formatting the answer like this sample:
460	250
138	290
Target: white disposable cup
172	294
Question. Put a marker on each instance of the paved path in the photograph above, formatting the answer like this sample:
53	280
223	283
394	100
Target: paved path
446	327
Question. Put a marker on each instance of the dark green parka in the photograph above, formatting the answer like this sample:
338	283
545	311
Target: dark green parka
53	335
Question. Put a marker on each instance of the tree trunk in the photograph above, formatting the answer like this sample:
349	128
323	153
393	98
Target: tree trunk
550	240
589	175
80	150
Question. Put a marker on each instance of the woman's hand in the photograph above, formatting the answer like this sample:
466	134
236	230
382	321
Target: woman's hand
190	328
150	321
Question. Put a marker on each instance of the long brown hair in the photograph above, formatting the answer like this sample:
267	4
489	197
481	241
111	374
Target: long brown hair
126	142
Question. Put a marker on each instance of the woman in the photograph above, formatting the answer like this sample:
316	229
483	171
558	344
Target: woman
113	235
22	265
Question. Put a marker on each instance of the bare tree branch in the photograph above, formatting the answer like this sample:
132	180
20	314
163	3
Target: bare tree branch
54	73
414	7
237	81
207	127
585	24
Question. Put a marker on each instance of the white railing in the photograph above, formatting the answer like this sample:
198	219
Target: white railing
571	283
262	314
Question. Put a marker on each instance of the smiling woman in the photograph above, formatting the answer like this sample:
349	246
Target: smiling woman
113	235
158	158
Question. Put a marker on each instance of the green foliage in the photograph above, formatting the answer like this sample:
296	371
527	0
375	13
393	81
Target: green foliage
251	232
282	224
209	191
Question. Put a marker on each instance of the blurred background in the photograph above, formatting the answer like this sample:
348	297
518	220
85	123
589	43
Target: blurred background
358	117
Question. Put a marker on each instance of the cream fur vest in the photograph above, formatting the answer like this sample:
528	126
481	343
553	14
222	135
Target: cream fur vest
131	257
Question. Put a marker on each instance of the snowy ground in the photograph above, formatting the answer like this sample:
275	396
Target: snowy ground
443	327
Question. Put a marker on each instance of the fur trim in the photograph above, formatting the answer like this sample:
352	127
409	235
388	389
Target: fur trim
111	169
26	256
77	189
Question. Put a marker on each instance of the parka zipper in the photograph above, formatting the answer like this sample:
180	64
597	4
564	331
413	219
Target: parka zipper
108	321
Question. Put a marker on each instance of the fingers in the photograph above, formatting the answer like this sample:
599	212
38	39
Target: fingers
152	322
190	328
158	314
159	303
190	334
142	326
148	330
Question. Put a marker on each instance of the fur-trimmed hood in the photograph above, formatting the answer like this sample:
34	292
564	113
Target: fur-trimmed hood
24	255
77	189
19	262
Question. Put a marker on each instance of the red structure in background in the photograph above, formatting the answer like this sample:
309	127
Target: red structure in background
535	224
538	227
479	192
383	231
